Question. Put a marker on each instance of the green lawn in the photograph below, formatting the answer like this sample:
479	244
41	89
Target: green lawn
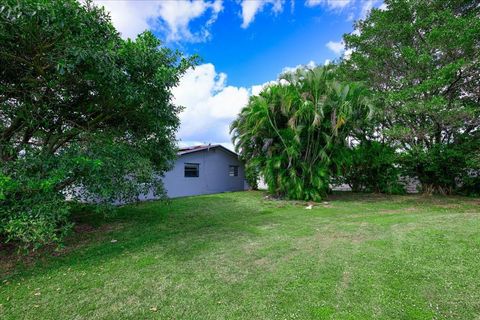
239	256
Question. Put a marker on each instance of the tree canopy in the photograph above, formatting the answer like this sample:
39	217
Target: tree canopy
421	60
83	113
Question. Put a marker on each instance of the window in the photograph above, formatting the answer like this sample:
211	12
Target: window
192	170
233	171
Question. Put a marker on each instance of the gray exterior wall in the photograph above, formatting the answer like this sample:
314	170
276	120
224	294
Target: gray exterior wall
213	174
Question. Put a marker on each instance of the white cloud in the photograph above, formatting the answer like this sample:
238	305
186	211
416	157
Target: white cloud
366	8
339	48
354	9
336	47
255	90
368	5
331	4
210	105
309	65
173	17
251	7
347	54
178	14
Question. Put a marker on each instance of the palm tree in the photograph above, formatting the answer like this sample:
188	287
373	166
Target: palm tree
289	133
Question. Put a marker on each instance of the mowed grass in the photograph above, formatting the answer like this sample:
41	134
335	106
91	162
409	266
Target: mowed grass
241	256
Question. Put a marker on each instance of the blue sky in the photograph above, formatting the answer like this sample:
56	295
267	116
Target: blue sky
272	41
243	46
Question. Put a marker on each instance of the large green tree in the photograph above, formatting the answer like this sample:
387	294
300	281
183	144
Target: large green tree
84	114
422	61
291	133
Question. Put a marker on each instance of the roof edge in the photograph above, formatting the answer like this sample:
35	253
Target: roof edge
205	148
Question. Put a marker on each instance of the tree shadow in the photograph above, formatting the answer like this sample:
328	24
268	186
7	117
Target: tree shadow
173	226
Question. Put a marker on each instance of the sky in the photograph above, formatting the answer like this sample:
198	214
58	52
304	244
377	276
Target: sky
243	45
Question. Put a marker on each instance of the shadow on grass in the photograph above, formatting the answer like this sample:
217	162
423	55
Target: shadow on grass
184	228
181	228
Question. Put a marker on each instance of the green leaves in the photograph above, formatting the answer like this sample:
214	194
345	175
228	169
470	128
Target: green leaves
370	166
421	59
85	114
303	119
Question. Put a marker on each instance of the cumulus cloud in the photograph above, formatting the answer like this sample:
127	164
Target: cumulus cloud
336	47
210	105
355	9
250	8
339	49
256	89
309	65
331	4
171	17
367	7
177	15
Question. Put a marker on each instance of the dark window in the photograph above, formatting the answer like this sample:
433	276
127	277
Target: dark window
233	171
192	170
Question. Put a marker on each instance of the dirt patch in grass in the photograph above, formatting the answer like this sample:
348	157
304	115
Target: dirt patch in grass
398	211
363	197
449	206
325	238
269	226
251	247
350	237
262	262
345	282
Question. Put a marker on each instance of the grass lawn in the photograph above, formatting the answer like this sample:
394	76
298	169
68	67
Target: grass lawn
240	256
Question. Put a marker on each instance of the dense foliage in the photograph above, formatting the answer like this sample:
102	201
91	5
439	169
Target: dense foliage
84	114
370	166
290	131
449	167
421	59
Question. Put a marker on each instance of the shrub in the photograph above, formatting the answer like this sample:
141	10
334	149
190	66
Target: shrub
446	168
371	167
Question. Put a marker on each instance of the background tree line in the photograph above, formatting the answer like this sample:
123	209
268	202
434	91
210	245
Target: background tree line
406	103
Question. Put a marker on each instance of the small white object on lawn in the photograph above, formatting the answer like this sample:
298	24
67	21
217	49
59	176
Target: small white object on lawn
113	241
309	207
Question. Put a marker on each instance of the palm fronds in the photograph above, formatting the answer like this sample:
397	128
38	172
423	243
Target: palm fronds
288	132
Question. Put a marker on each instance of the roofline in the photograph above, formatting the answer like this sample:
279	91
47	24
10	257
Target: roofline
206	148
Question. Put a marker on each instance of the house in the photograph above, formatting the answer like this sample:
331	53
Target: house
204	169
